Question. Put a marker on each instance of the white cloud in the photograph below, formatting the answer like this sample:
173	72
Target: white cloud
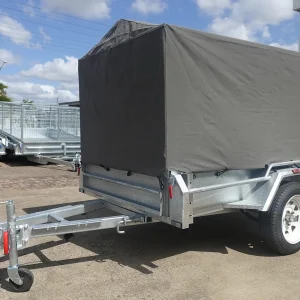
73	86
45	36
14	31
249	20
265	33
265	12
57	70
61	71
28	9
149	6
19	90
239	30
213	7
8	56
88	9
292	47
232	28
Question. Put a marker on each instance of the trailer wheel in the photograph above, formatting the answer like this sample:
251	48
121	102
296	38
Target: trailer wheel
280	226
27	278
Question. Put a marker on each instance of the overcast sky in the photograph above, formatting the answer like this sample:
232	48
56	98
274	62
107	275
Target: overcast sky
43	39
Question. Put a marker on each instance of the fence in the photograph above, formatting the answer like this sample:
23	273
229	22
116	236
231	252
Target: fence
40	122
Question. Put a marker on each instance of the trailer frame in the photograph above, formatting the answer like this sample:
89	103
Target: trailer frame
174	198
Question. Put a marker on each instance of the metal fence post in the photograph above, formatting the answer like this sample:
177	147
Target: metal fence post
50	125
10	129
2	115
76	127
58	123
22	122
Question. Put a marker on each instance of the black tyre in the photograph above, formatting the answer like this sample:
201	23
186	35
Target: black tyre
27	278
280	226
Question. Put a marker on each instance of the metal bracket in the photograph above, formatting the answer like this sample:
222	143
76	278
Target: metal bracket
123	222
64	146
13	274
23	235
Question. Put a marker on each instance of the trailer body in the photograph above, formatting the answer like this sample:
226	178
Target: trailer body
181	197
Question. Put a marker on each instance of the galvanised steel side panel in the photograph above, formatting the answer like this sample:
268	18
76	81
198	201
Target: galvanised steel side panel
48	148
255	195
220	196
140	191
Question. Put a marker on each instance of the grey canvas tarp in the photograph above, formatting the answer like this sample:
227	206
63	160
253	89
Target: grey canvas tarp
162	97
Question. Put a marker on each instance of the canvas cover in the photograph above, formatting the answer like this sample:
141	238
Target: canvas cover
162	97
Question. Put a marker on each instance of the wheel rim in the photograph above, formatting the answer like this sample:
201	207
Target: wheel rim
291	220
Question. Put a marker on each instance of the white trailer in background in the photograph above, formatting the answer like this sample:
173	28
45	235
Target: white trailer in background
42	133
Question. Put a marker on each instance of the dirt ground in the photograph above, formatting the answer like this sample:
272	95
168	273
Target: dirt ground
218	258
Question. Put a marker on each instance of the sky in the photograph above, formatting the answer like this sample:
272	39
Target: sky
42	40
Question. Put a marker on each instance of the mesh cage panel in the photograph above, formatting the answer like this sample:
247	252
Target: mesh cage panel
40	122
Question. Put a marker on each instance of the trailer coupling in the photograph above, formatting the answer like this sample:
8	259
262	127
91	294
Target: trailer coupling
16	232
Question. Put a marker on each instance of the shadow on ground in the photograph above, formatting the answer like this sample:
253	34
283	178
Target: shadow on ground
16	161
142	245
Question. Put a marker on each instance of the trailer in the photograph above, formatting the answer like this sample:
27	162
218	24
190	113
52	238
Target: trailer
42	133
179	124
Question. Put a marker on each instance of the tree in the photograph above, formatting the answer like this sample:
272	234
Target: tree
3	95
27	101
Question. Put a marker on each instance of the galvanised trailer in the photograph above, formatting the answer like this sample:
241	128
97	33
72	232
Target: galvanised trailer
178	124
42	133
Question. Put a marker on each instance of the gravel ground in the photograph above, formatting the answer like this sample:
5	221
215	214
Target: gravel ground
218	258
